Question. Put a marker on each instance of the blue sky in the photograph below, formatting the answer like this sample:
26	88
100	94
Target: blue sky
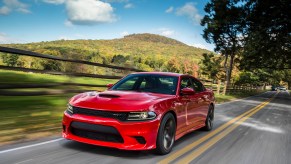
25	21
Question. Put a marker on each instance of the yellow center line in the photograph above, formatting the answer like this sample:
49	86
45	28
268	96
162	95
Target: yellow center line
180	152
196	153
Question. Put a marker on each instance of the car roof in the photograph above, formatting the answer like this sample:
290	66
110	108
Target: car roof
160	73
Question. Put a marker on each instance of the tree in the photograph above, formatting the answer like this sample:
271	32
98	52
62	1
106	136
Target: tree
287	78
247	77
119	59
268	29
223	23
10	59
210	66
173	65
51	65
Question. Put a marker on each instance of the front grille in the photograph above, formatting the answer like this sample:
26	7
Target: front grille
122	116
96	132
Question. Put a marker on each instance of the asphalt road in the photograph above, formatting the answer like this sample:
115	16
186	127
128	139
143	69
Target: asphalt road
256	130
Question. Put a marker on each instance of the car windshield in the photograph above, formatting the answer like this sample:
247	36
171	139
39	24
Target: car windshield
148	83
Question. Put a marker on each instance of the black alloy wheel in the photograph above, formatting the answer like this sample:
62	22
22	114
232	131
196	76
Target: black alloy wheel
166	134
209	119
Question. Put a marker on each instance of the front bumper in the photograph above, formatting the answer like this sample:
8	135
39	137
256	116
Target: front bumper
132	133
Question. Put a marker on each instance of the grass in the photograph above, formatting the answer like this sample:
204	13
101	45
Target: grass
37	78
30	117
229	97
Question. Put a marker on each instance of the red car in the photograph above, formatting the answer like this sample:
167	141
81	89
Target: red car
142	111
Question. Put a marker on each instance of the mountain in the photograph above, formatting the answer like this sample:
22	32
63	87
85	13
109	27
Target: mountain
144	51
153	38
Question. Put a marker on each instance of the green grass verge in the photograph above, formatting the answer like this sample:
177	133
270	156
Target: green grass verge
30	117
232	96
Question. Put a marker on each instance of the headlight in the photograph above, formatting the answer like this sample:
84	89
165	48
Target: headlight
70	109
139	116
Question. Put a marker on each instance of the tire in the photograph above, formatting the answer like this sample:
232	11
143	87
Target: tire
209	119
166	135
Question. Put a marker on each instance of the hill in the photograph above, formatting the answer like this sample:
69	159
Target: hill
153	38
144	51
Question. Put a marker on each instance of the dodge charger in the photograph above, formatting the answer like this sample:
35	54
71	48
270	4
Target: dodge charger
142	111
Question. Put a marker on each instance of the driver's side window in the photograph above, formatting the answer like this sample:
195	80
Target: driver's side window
197	86
186	82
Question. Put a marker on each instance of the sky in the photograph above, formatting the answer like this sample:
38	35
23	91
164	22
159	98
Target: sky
24	21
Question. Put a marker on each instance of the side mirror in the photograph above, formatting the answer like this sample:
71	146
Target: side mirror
109	86
187	91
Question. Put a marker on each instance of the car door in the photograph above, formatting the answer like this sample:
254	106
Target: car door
190	104
203	99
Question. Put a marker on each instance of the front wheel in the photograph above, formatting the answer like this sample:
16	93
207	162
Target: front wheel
209	119
166	134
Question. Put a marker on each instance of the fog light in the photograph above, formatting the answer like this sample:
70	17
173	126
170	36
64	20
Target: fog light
140	139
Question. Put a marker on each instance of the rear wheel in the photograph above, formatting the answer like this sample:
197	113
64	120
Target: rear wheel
166	134
209	119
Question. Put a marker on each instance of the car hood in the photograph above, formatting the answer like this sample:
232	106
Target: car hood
118	100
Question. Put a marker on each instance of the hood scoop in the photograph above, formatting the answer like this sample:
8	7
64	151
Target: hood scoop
108	95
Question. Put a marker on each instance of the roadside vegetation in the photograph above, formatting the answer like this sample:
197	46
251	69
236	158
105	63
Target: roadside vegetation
230	97
26	118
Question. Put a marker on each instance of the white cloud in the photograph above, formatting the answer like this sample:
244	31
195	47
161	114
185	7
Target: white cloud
124	33
170	9
116	1
166	32
24	10
89	12
13	5
5	10
190	11
56	2
129	6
